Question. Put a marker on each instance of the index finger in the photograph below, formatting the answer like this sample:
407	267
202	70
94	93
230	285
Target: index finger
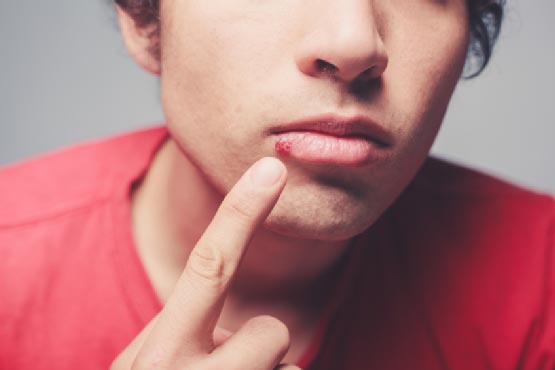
189	317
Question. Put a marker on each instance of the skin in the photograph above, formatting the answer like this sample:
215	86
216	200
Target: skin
230	71
183	335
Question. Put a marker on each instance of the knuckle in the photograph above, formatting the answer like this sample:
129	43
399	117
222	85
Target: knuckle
240	208
156	357
215	363
195	366
203	364
147	363
207	266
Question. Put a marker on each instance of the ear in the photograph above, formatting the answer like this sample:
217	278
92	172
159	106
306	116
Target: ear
138	42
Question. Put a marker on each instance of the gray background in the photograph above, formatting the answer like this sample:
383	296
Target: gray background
66	77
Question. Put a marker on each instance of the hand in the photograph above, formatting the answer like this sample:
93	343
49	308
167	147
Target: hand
184	334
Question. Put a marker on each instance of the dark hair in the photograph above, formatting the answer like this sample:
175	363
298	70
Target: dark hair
484	19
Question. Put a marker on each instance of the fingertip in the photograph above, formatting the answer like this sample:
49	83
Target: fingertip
267	172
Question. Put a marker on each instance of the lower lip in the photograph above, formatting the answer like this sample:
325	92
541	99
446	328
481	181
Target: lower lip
320	148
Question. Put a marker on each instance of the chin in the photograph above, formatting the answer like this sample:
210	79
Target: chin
324	217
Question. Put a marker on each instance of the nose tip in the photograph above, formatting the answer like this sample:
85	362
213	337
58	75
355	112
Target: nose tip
346	64
345	46
362	70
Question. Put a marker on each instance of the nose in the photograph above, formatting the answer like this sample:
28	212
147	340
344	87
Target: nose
343	43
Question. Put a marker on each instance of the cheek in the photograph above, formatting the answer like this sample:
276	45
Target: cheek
423	74
199	94
212	82
205	98
191	79
425	66
218	57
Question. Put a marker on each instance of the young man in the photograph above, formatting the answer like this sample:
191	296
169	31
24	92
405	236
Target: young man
339	243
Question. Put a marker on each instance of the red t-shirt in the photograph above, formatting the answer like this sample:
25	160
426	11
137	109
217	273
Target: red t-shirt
458	274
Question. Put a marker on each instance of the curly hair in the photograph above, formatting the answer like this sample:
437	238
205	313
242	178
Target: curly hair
484	18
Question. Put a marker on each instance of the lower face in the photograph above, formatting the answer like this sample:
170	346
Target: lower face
231	72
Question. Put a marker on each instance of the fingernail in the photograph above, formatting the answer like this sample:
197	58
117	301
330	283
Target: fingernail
266	172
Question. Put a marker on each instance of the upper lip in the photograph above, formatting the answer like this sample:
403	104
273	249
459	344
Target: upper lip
332	124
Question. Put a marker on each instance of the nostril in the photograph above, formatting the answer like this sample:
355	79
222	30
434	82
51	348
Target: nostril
367	74
325	67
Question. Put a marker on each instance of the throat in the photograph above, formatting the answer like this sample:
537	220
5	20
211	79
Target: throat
301	315
301	304
277	267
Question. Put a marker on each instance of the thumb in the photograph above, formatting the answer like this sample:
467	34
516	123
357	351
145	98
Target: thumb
220	335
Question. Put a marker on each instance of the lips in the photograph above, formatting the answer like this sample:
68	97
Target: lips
329	139
358	126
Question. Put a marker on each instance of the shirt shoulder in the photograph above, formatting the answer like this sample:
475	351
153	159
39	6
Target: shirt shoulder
74	177
483	250
447	187
452	210
442	176
69	272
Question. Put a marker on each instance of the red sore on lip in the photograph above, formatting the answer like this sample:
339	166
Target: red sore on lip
283	146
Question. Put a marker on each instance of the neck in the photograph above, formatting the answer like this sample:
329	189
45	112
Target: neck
173	205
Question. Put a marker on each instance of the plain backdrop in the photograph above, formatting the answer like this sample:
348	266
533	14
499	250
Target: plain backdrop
65	77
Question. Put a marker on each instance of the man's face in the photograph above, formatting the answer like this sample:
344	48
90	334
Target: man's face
232	71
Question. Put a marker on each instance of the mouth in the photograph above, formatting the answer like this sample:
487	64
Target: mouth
333	140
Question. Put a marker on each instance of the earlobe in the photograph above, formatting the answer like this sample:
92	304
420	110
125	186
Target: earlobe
139	42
